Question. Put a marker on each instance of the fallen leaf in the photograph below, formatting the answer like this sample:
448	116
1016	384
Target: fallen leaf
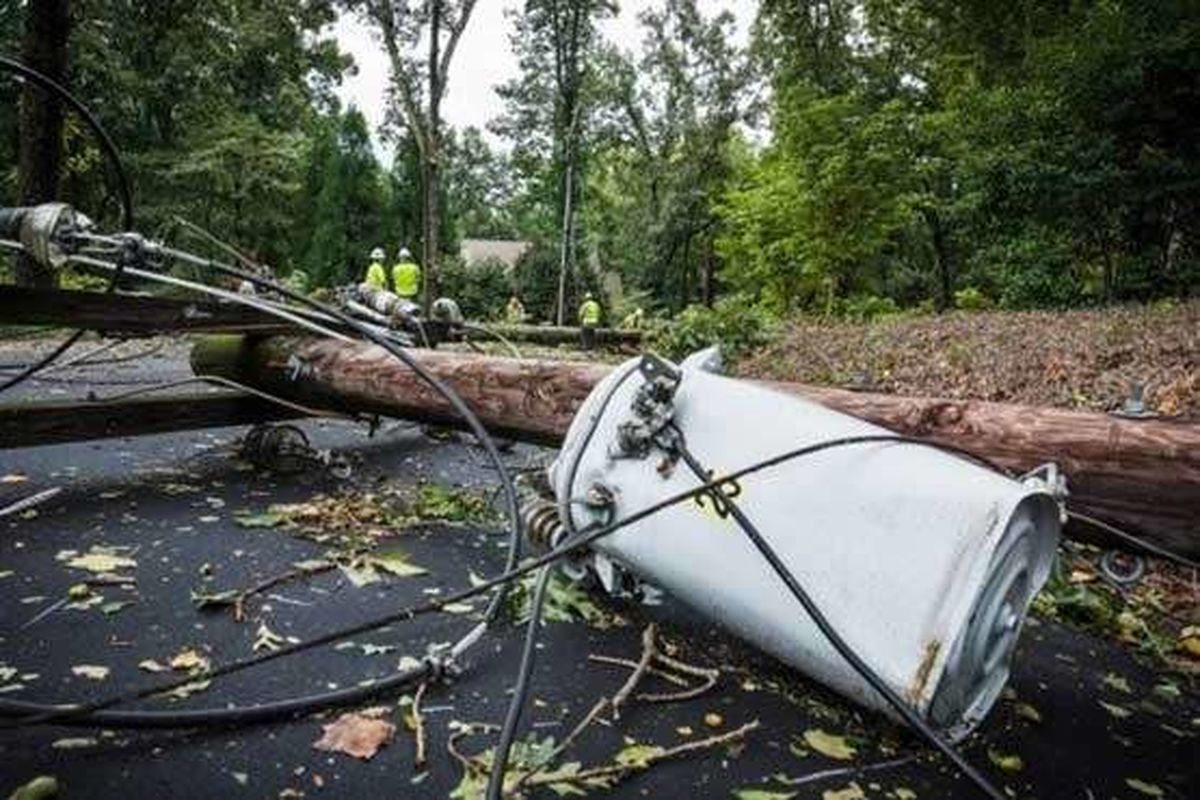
713	720
187	690
1118	682
91	671
267	519
100	559
684	730
360	574
851	792
1008	763
13	477
1190	645
1120	712
355	735
397	564
1148	789
762	794
266	639
108	609
638	755
1026	711
188	659
904	793
150	665
1168	691
834	747
458	608
74	743
43	787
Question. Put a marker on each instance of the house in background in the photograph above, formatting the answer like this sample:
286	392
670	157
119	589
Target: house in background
506	251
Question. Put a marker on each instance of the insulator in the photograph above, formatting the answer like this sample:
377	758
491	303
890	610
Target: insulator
543	525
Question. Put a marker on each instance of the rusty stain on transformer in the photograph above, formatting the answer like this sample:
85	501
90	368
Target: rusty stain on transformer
923	672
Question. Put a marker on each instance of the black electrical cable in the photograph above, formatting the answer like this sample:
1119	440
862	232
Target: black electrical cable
57	714
381	339
1135	541
110	151
26	713
508	732
437	384
295	705
221	717
844	649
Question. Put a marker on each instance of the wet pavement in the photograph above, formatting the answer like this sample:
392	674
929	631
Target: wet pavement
1082	716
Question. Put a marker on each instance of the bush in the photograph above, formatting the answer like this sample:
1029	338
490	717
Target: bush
481	290
735	323
1034	270
868	307
971	299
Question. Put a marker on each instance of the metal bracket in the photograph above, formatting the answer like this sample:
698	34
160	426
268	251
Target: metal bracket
1050	479
653	407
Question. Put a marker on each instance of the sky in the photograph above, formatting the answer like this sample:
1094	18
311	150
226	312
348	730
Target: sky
483	60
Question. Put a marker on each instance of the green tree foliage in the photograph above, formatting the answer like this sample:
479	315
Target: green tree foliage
1036	153
481	290
668	155
345	203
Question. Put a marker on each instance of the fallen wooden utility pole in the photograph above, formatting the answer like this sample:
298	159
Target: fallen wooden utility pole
556	335
1142	474
131	313
57	422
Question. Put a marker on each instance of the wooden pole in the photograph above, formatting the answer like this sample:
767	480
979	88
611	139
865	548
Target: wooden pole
58	422
1140	474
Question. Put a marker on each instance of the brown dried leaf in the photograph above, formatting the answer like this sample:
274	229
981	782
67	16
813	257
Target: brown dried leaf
355	735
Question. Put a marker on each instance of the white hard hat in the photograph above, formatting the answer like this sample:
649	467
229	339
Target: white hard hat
404	253
377	254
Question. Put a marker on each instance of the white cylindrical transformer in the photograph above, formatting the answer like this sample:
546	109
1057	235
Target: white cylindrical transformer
925	563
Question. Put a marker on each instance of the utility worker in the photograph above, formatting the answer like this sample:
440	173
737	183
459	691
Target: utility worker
406	276
589	320
514	313
376	274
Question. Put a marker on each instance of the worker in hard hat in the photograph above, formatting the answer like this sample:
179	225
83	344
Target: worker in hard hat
634	319
589	320
514	312
376	274
406	276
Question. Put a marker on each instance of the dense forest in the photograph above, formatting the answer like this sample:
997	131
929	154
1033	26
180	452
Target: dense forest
857	157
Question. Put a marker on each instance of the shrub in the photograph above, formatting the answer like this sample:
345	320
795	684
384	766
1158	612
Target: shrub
971	299
868	307
481	290
735	323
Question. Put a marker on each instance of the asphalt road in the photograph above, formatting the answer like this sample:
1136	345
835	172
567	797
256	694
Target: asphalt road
173	499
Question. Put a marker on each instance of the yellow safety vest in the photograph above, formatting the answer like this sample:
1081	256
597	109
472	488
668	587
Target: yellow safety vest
376	277
589	313
406	277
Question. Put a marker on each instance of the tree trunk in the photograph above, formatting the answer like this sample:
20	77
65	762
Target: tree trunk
708	276
431	246
560	314
44	48
1141	474
944	259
